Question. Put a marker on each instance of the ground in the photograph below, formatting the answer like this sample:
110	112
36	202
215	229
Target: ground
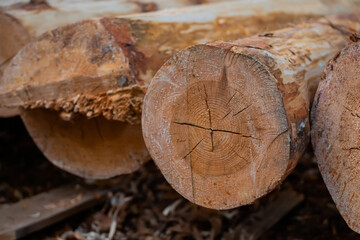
146	207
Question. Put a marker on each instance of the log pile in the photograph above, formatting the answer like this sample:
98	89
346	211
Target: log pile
82	95
218	94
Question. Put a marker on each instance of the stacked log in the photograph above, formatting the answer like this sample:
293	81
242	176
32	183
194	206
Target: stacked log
226	122
26	20
336	131
23	21
81	86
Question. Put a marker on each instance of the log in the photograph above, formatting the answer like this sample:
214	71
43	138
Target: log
24	20
336	129
226	122
101	69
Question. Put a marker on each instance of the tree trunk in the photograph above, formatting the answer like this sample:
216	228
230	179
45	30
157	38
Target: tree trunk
23	21
101	69
226	122
336	131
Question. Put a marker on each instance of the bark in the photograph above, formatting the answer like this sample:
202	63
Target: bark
226	122
23	21
101	69
336	131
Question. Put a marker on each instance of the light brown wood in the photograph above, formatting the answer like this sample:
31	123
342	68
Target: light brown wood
95	148
336	131
29	215
226	122
102	67
21	21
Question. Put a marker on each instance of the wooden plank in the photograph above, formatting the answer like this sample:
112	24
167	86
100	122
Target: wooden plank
32	214
261	221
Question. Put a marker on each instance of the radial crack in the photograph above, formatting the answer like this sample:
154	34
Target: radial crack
212	139
226	115
231	98
241	110
277	136
193	148
208	109
191	125
207	105
246	160
227	131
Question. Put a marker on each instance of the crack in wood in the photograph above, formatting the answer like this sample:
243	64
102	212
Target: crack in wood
241	111
191	125
226	115
208	109
215	130
193	148
246	160
232	132
231	98
279	135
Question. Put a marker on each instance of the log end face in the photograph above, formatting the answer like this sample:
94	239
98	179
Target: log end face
214	123
93	148
336	132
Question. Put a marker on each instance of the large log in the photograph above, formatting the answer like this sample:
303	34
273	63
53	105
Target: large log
101	68
336	131
226	122
22	21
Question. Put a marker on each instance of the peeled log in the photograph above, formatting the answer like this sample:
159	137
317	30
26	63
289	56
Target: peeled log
24	20
226	122
101	69
336	131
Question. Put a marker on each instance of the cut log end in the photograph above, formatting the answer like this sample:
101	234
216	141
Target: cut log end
336	130
91	148
215	124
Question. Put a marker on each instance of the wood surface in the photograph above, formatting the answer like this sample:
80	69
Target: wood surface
226	122
101	68
35	213
336	131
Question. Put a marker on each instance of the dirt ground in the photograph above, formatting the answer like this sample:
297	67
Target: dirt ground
144	206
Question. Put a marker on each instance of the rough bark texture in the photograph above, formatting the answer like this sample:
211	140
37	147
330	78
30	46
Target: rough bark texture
226	122
101	68
336	131
24	20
